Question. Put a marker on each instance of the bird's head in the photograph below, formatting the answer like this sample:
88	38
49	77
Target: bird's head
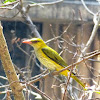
35	42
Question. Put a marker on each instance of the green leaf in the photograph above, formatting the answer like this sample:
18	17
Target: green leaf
8	1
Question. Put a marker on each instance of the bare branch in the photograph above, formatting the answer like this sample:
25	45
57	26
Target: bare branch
42	4
87	7
67	82
37	96
28	21
3	86
96	25
3	77
10	8
57	72
78	62
40	92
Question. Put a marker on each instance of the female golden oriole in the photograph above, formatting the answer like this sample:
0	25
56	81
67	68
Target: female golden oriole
50	58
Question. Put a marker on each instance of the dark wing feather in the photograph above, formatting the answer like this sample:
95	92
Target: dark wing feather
53	55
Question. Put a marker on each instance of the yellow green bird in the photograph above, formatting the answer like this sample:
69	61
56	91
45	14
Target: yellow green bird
50	58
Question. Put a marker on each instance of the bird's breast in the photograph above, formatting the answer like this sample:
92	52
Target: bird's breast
46	61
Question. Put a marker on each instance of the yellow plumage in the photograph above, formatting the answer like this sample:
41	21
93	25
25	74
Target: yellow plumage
50	58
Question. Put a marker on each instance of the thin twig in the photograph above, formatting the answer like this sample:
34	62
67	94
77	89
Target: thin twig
41	4
35	77
37	96
91	37
28	20
3	77
87	7
78	62
19	71
40	92
67	82
4	92
3	86
38	79
10	8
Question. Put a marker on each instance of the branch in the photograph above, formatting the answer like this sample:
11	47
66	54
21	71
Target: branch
41	4
70	66
78	62
95	28
9	68
3	77
67	83
37	96
10	8
28	20
19	5
44	96
87	7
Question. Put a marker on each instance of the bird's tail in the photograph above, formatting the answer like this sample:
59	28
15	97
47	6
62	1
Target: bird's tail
65	73
79	81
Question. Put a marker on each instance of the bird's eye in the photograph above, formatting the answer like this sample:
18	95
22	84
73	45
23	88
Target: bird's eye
34	41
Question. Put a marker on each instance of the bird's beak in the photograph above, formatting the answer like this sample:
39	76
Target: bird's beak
27	42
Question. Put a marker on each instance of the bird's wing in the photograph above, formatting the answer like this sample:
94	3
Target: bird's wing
53	55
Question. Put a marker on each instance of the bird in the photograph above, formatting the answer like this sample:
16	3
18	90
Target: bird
50	58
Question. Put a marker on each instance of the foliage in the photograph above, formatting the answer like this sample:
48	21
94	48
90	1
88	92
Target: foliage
8	1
